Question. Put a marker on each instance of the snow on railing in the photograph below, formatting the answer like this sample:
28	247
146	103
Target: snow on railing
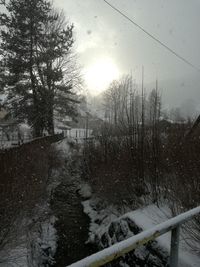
111	253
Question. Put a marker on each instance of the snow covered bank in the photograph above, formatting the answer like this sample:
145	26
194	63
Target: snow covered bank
33	241
108	227
150	216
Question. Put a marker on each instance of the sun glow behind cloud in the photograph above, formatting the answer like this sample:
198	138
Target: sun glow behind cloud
100	74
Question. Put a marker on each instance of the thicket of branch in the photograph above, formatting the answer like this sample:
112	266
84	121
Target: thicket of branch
139	155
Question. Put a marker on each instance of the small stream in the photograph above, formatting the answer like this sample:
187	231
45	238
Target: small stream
72	227
72	224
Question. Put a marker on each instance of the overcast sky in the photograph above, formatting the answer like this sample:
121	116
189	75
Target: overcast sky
102	33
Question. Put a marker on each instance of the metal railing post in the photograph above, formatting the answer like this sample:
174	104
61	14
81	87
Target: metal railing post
174	246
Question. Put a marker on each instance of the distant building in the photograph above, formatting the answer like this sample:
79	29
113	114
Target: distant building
9	130
62	127
194	131
3	113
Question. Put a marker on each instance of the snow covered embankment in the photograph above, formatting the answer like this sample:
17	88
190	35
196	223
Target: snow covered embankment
108	227
33	239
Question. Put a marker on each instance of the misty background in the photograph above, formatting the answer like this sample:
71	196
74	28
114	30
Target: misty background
102	33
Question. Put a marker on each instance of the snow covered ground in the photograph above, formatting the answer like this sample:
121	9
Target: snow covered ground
150	216
38	247
33	239
103	219
32	242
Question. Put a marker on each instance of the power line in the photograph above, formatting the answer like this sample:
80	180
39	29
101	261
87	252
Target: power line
153	37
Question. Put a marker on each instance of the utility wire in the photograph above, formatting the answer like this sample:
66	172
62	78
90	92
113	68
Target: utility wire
153	37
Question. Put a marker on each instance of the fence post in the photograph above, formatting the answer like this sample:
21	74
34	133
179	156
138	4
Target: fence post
174	247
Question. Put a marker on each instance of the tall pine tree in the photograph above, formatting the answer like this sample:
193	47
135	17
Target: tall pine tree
36	44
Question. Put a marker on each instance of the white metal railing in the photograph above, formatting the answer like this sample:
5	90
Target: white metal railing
111	253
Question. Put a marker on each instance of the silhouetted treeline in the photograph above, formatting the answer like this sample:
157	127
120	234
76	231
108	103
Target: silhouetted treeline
139	156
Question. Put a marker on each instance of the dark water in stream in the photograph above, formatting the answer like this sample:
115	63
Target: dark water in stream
72	224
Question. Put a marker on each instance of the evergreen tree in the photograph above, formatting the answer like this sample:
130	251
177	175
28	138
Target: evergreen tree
35	46
56	70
